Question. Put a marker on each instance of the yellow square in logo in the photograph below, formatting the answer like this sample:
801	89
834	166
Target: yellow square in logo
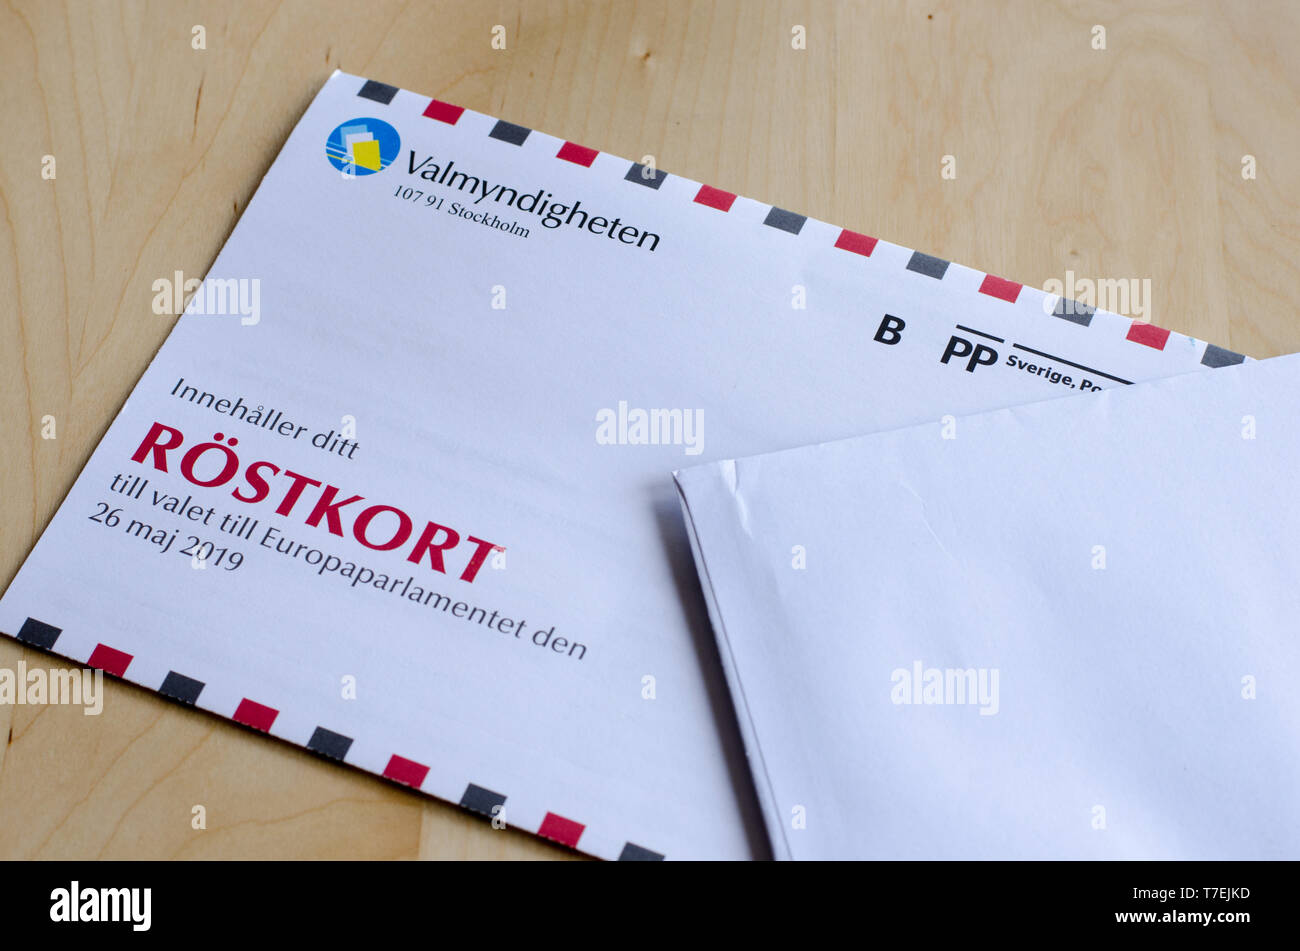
366	154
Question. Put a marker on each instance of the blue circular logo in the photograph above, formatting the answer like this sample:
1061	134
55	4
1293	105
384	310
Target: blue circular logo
362	146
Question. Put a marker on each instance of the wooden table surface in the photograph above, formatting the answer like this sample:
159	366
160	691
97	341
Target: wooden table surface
1119	163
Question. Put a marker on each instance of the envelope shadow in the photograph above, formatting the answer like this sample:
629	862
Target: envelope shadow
677	549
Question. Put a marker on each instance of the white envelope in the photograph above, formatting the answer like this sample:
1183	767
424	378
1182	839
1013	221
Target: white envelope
1062	630
524	337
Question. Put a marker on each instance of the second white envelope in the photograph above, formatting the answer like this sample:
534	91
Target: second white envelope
1061	630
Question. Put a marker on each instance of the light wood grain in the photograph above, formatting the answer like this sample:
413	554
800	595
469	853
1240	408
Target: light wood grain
1122	163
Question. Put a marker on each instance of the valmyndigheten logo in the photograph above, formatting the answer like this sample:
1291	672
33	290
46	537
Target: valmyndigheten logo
362	146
